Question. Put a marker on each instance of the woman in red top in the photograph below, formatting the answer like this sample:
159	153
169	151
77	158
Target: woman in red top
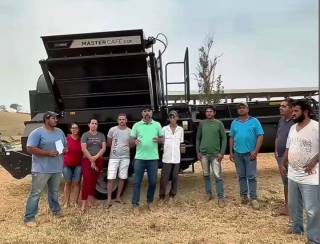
72	170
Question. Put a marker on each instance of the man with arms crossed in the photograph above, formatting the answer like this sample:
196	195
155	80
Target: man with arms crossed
47	165
119	159
146	134
302	155
246	136
211	145
280	144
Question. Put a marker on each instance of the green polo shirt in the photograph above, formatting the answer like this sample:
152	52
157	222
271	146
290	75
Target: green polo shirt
145	132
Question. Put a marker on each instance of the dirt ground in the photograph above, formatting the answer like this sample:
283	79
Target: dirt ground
191	220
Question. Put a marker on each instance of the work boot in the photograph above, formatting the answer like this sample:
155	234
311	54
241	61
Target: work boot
59	214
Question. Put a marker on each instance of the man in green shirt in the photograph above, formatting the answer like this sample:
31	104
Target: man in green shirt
146	134
211	145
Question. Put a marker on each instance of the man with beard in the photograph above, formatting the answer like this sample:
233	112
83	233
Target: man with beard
119	159
146	134
246	136
302	155
47	163
280	144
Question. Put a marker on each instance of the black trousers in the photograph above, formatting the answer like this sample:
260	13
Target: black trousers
169	171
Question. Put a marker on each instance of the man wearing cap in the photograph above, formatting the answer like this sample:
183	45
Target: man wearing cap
46	144
211	145
246	136
173	137
145	134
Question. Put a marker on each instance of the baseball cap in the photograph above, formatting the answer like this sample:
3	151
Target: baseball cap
243	104
173	113
49	114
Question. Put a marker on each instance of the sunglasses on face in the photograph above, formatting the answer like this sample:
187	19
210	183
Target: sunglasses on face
74	128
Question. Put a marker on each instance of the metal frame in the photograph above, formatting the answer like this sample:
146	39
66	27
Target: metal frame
186	81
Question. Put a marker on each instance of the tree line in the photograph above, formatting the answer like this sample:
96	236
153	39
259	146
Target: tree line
14	106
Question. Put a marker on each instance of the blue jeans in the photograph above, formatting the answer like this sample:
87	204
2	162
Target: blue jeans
308	197
72	174
247	173
152	169
211	165
39	181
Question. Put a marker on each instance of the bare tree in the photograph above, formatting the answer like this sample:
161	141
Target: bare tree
209	83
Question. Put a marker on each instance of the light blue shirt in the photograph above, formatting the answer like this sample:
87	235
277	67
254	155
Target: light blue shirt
46	140
245	134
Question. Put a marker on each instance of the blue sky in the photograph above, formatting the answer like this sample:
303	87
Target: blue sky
264	44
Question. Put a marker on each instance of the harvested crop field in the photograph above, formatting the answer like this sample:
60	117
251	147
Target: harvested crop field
191	220
11	124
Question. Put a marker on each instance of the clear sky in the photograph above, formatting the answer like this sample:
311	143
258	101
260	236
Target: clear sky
264	44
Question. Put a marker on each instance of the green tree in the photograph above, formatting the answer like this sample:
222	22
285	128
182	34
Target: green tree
209	83
16	107
3	108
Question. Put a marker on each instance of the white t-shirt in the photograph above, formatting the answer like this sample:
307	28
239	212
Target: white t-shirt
303	145
171	148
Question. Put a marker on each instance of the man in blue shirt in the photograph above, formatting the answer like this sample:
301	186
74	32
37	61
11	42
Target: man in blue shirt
246	136
46	144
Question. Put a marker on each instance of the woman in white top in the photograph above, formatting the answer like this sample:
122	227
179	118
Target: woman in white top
173	137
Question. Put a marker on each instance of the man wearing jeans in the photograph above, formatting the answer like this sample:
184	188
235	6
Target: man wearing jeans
246	136
302	153
211	145
146	134
46	144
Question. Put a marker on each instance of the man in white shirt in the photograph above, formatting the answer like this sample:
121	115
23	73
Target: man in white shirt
302	154
173	136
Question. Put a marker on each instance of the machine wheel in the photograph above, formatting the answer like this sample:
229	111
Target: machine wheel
101	187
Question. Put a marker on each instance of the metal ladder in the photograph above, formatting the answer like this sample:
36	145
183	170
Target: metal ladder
185	82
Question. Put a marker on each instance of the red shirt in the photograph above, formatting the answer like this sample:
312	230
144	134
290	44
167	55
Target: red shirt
74	155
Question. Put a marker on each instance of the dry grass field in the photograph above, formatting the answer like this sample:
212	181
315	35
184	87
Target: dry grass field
11	124
191	220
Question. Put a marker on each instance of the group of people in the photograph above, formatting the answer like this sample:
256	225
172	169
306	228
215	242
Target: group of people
296	152
81	160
